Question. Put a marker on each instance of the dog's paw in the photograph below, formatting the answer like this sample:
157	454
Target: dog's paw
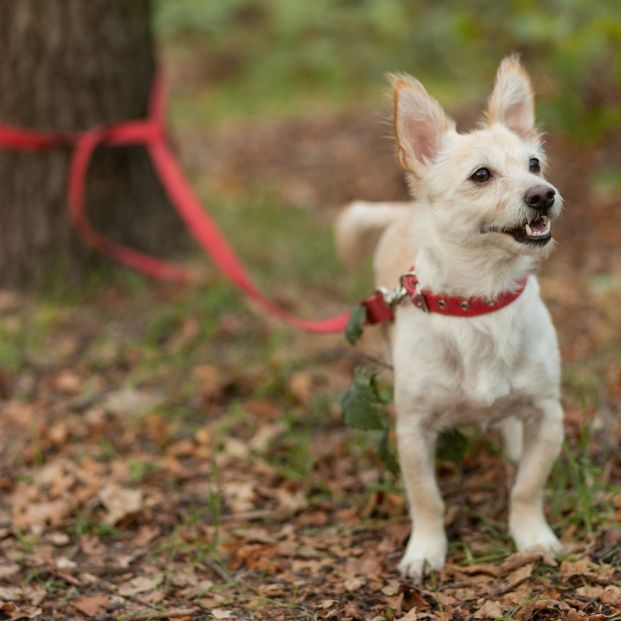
536	538
421	556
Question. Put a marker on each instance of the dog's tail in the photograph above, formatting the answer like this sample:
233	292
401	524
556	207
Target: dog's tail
359	227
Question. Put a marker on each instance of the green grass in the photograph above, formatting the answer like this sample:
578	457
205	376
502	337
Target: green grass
24	335
576	491
261	58
285	246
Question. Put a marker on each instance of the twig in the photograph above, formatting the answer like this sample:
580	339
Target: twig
374	360
81	402
250	516
165	614
221	571
96	570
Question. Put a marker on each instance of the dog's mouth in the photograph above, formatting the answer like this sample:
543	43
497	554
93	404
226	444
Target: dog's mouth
536	232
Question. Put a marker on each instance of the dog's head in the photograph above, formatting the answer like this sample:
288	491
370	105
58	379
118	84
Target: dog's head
485	187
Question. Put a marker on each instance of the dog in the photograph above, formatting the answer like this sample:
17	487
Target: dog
476	229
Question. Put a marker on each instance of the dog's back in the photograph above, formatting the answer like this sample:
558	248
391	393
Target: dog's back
381	230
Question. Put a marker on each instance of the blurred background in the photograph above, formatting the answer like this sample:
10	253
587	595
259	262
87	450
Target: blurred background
279	56
178	427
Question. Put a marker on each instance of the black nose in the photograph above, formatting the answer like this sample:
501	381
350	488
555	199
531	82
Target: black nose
540	197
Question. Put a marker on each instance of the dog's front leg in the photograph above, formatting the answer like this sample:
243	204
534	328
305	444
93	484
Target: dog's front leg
427	544
543	437
512	431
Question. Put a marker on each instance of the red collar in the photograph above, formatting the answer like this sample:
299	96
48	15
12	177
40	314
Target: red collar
380	305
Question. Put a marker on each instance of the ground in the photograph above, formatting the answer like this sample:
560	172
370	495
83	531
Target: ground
171	453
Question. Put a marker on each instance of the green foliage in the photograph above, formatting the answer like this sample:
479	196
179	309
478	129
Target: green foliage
387	453
362	404
279	55
452	445
363	407
353	330
25	336
578	494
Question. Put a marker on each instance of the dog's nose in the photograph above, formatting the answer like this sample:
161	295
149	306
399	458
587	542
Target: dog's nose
540	197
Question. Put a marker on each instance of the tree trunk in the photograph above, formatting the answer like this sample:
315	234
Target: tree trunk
71	65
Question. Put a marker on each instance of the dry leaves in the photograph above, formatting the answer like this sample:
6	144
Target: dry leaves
92	606
120	502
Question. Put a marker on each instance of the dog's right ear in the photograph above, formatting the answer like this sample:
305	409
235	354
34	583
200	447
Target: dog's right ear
512	102
419	122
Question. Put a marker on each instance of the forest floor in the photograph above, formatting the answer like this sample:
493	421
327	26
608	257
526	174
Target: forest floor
170	453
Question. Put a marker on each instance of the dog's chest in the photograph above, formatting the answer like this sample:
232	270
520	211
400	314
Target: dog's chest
469	371
478	365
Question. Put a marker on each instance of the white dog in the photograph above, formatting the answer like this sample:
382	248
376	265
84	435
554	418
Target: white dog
478	226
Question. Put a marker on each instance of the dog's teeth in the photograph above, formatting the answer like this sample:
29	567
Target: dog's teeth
529	231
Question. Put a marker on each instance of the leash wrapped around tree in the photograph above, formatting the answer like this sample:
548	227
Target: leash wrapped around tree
151	133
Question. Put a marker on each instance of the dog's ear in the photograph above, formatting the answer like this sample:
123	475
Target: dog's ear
511	102
419	123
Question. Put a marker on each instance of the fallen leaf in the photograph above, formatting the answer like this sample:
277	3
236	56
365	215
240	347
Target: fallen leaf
7	570
354	583
68	381
592	592
392	588
515	578
92	606
513	562
411	615
41	514
129	401
266	434
23	612
139	584
291	501
58	539
197	590
63	562
10	594
301	386
611	595
580	567
489	610
471	570
240	495
120	502
210	380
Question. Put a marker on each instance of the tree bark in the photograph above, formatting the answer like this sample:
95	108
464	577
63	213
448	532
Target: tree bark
70	65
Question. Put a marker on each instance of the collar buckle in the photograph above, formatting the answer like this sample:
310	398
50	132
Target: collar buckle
419	301
392	297
409	282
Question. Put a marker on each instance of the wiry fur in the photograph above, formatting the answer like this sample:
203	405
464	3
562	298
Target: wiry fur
500	368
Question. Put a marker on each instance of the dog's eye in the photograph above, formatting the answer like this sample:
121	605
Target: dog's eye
481	175
534	165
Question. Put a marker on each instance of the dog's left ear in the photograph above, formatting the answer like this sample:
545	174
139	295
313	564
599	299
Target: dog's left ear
512	102
420	123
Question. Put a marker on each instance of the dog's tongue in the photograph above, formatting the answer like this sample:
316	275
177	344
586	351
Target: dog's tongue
538	226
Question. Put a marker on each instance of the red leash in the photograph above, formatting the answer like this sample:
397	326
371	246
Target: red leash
151	133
